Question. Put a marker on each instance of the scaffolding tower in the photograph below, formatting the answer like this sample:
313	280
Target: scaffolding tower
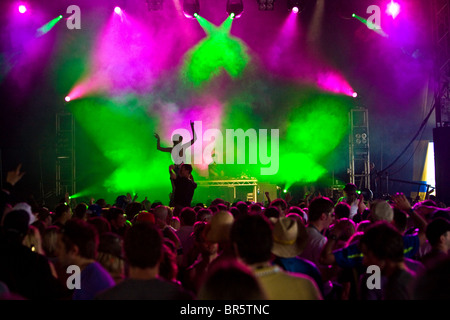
65	154
359	155
442	62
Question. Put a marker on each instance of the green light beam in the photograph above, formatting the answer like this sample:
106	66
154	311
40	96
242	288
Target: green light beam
371	25
48	26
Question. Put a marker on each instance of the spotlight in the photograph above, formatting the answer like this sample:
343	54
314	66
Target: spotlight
355	94
235	8
191	8
154	5
118	10
22	8
393	9
296	6
67	98
265	5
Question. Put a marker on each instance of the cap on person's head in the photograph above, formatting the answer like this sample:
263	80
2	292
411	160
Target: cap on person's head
436	228
145	216
381	210
289	238
350	187
112	243
219	227
26	207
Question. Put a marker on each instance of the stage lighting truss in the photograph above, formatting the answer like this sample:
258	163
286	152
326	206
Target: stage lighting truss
266	5
296	5
235	8
191	8
154	5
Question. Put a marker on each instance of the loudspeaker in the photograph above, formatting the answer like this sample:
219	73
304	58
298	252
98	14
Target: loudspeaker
441	139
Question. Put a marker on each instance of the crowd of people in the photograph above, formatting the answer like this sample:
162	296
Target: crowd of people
314	249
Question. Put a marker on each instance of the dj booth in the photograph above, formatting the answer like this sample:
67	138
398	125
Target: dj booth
236	189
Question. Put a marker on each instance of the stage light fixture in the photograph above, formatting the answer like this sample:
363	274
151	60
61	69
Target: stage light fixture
393	9
67	98
235	8
117	10
154	5
266	5
191	8
22	8
296	6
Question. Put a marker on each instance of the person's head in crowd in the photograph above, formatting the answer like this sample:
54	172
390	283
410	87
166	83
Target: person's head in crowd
281	204
433	284
50	241
110	255
272	212
80	211
145	216
101	202
15	225
218	230
348	229
217	201
33	240
39	225
204	214
204	247
133	208
121	202
363	225
143	249
116	218
400	220
381	210
350	192
299	211
94	210
441	213
235	212
242	207
214	209
187	217
438	234
231	280
255	208
62	214
78	243
342	210
44	215
156	203
175	223
382	245
295	216
321	213
100	223
161	213
252	239
147	204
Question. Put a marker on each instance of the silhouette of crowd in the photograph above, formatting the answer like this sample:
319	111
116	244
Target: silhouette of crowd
313	249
